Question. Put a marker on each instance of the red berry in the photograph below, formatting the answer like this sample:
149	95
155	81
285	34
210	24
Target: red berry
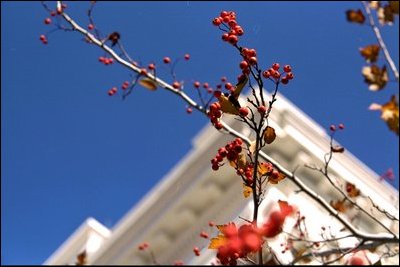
204	235
341	126
243	111
262	109
277	75
110	61
143	71
287	68
47	21
355	260
166	60
217	94
223	79
176	85
42	37
266	74
225	37
228	86
285	80
218	125
215	167
243	64
276	66
232	23
332	128
205	85
189	110
196	84
289	75
253	60
233	39
53	13
211	223
217	21
238	30
151	66
187	56
224	14
125	85
90	27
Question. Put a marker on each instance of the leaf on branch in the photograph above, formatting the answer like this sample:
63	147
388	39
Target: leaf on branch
339	205
355	16
276	179
386	14
148	84
337	149
352	190
370	53
252	147
265	168
227	106
390	113
247	190
269	135
217	242
114	37
375	77
285	208
240	162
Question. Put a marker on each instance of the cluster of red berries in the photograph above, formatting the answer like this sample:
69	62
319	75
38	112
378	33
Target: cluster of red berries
228	18
112	91
43	39
274	73
106	60
333	127
249	59
231	151
215	114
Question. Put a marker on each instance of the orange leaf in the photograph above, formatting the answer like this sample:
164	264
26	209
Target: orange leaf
240	162
148	84
276	180
355	16
217	242
269	135
375	77
247	190
370	53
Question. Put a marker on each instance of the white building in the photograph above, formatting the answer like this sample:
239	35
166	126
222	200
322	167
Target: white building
171	216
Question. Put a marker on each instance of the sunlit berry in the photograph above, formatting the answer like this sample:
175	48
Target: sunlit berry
47	21
151	66
187	57
166	60
143	71
176	85
225	37
253	60
196	84
90	27
287	68
332	128
341	126
266	74
217	21
233	39
243	111
284	80
289	75
276	66
262	109
206	85
42	37
243	64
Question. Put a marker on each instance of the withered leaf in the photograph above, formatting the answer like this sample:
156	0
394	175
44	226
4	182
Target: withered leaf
370	53
386	13
227	106
394	5
352	190
390	113
337	149
276	180
375	77
339	205
265	168
355	16
240	162
81	258
269	135
217	242
148	84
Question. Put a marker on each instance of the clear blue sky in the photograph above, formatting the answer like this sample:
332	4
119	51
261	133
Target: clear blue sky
69	151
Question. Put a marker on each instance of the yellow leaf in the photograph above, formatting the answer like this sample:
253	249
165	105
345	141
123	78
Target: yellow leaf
269	135
239	86
276	180
247	190
148	84
265	168
217	242
227	106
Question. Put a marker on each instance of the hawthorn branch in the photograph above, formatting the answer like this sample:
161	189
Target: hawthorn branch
380	40
383	237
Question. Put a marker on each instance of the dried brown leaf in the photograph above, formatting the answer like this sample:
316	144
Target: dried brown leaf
375	77
148	84
269	135
370	53
355	16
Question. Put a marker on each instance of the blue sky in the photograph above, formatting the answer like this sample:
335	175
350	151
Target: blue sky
69	151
